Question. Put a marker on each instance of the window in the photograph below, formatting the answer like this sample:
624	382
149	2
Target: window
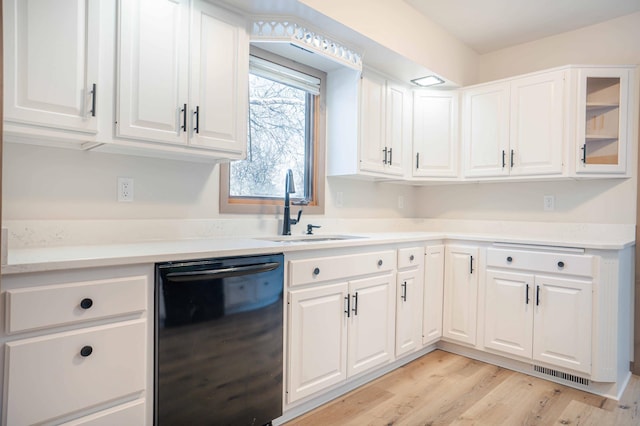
285	131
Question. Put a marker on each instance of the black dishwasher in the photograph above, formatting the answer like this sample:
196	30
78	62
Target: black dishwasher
218	341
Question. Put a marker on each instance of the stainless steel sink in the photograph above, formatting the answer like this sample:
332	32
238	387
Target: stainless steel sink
310	238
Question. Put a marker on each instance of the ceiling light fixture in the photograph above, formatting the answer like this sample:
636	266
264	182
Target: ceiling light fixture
430	80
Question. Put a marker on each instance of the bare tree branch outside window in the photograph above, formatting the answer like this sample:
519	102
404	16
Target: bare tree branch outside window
277	141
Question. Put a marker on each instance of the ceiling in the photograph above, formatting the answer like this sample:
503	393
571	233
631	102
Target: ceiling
488	25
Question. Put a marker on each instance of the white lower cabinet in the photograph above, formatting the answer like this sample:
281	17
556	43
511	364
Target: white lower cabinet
409	299
341	327
460	294
317	339
371	323
540	317
76	350
562	323
509	312
433	294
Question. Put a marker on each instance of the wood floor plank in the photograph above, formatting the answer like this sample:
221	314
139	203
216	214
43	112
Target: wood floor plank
580	414
447	389
627	411
544	402
352	406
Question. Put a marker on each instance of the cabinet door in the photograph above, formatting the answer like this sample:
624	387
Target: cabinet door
398	114
435	134
51	54
372	123
409	295
371	325
317	339
460	294
562	322
602	120
219	79
433	298
508	323
485	130
537	124
152	73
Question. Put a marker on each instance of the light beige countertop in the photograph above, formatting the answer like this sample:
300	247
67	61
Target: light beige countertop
23	260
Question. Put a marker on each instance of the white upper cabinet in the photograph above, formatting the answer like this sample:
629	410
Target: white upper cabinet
51	52
369	124
435	134
373	151
515	127
603	125
219	72
183	75
537	124
153	70
398	126
485	130
384	110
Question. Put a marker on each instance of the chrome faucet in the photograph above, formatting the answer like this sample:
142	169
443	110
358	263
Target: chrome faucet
289	188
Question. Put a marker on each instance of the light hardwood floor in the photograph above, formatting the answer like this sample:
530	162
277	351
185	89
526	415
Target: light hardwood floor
441	388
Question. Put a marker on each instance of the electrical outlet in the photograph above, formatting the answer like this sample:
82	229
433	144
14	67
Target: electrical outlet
549	202
125	189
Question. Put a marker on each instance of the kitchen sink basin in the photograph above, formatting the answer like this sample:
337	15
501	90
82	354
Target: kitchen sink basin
310	238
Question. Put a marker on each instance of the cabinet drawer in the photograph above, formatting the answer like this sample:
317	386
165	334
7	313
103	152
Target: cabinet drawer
412	256
340	267
553	262
47	376
50	306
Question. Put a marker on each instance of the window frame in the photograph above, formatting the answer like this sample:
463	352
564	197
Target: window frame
256	205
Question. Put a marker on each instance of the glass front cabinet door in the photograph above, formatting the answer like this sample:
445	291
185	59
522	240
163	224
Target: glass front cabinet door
604	125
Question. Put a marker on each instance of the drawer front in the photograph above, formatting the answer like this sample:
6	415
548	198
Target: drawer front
131	413
550	262
410	257
50	306
340	267
48	376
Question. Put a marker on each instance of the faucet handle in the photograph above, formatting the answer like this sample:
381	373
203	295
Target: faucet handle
310	228
294	221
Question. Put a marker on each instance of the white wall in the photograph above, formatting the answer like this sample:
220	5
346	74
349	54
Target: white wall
591	201
398	26
42	183
611	42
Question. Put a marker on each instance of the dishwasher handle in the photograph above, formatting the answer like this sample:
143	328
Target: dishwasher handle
233	271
